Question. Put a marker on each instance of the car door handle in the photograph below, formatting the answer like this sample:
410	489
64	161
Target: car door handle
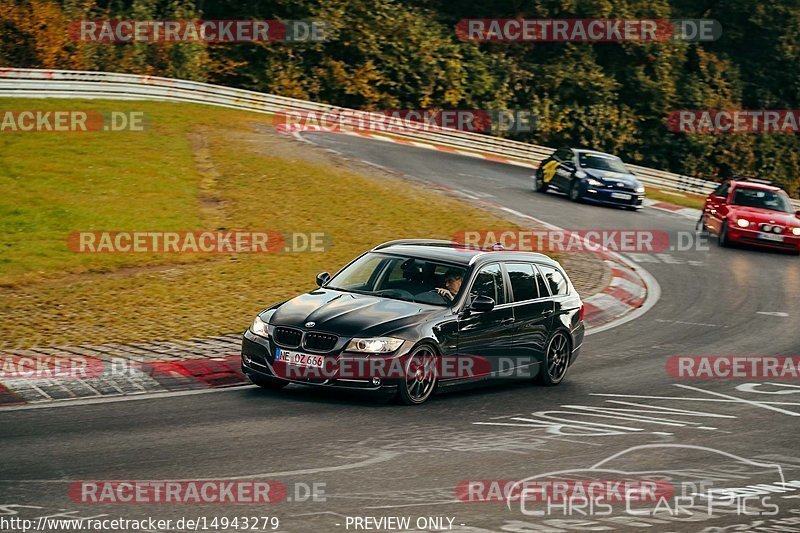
547	312
507	321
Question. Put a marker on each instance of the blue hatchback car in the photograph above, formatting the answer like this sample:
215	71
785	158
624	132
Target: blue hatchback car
587	175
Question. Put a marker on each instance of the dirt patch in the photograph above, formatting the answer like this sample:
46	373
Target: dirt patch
212	206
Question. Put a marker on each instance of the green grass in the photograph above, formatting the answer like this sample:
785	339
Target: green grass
55	183
694	201
162	179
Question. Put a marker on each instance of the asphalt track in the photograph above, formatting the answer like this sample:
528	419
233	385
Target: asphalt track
382	460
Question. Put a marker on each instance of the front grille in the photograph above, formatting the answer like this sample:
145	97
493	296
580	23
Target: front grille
289	337
319	342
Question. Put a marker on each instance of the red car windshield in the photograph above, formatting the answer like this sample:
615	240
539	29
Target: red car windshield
772	200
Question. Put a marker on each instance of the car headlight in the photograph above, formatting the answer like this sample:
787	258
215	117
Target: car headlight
743	222
640	189
259	327
594	183
796	231
375	345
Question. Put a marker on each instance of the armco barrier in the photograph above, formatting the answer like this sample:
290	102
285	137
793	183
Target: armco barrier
36	83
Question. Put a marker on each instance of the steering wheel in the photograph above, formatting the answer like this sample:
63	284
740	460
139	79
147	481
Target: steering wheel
445	298
397	292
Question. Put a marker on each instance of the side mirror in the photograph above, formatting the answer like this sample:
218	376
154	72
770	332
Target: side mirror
323	278
482	304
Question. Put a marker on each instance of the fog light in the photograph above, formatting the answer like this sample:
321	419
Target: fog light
376	381
743	222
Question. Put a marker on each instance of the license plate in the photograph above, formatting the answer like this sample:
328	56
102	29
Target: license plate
620	196
770	237
299	359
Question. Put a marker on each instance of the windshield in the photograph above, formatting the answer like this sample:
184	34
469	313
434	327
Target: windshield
602	162
401	278
772	200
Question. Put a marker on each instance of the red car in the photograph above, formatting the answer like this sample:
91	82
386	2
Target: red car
752	212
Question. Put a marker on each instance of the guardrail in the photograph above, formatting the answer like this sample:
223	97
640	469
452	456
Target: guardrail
89	84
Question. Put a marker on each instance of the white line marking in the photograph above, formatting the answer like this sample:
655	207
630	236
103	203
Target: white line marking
112	399
684	398
741	400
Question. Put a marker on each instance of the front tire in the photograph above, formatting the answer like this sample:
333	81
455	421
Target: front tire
724	240
420	376
575	191
556	360
539	184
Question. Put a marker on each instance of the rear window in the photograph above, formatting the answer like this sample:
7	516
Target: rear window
523	282
555	280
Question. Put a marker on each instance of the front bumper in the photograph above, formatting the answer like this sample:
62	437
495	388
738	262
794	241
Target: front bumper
750	237
604	196
258	358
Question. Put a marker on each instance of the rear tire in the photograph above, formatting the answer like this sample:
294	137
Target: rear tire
267	383
556	360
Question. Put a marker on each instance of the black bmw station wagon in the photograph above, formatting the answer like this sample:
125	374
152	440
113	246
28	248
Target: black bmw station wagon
412	316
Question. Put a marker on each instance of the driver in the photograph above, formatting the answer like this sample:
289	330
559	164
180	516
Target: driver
452	284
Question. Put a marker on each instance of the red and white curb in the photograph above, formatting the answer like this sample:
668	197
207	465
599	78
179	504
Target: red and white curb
127	370
685	212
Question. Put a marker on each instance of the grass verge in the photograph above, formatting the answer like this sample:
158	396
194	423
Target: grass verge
683	199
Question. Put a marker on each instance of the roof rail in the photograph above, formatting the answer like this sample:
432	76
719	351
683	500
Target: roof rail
409	242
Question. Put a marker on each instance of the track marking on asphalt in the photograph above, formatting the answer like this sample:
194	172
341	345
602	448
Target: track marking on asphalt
572	420
683	322
772	313
684	398
382	457
741	400
112	399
